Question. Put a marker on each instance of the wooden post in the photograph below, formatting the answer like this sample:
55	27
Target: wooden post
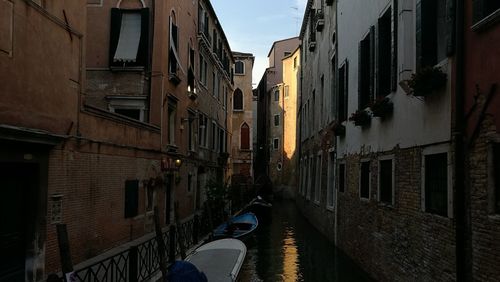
196	223
171	253
64	252
133	264
180	235
161	245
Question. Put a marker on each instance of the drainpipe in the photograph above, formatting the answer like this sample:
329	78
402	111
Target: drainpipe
462	229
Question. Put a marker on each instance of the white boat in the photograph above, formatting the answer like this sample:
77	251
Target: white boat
220	260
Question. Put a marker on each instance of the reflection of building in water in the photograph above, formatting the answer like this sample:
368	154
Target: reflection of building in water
290	257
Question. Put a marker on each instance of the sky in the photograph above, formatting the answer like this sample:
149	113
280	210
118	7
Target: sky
252	26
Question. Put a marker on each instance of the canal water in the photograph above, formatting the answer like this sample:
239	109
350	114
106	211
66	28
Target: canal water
287	248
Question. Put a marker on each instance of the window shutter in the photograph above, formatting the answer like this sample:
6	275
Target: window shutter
131	198
450	27
114	36
394	66
346	89
478	12
418	34
372	63
360	73
143	52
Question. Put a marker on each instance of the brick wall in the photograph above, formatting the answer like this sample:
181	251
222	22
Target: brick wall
485	225
92	185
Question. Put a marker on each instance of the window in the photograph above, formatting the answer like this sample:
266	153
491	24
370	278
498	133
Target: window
214	136
190	183
309	177
330	191
238	100
277	95
214	83
276	120
131	113
366	73
172	114
191	70
221	140
239	67
191	136
295	62
202	130
173	56
131	198
6	24
495	172
245	136
287	91
431	34
341	177
319	170
203	70
343	92
384	58
129	37
385	181
286	54
276	144
485	8
364	180
436	183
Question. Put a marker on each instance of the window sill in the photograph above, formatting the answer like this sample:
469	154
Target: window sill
125	68
486	22
330	208
386	205
316	203
236	110
364	199
494	217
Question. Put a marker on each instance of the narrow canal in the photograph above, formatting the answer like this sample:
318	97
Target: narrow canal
288	248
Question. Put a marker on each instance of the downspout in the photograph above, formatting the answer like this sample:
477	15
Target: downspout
463	270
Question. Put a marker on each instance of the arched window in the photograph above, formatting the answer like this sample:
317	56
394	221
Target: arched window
245	136
239	67
238	100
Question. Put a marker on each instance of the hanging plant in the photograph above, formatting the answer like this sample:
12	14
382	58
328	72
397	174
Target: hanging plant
360	118
382	107
426	81
338	129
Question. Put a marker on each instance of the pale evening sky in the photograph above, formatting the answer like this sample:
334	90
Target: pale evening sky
253	26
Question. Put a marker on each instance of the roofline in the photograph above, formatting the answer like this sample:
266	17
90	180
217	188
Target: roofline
305	18
218	23
292	53
274	43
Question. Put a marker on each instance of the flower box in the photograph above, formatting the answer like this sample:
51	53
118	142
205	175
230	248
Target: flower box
382	107
338	129
427	81
361	118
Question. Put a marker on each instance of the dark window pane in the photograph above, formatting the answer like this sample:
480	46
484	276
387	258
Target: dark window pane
385	181
131	198
365	180
238	99
341	177
245	137
436	184
131	113
384	55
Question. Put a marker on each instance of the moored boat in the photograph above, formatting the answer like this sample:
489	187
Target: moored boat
219	260
238	227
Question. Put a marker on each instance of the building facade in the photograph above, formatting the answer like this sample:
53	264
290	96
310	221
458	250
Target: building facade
269	155
113	93
242	143
481	104
316	116
377	166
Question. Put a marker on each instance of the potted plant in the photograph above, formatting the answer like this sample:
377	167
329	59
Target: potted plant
382	107
338	129
426	81
360	118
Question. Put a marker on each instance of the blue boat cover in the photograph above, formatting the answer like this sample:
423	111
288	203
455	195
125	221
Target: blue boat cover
183	271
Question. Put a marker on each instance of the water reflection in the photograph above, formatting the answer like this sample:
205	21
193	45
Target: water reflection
287	248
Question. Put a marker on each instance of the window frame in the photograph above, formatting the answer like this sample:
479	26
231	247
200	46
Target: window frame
318	177
432	150
364	160
331	195
379	187
242	100
241	136
277	119
243	67
276	148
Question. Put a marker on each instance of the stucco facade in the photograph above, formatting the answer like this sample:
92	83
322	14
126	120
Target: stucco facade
243	126
85	122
